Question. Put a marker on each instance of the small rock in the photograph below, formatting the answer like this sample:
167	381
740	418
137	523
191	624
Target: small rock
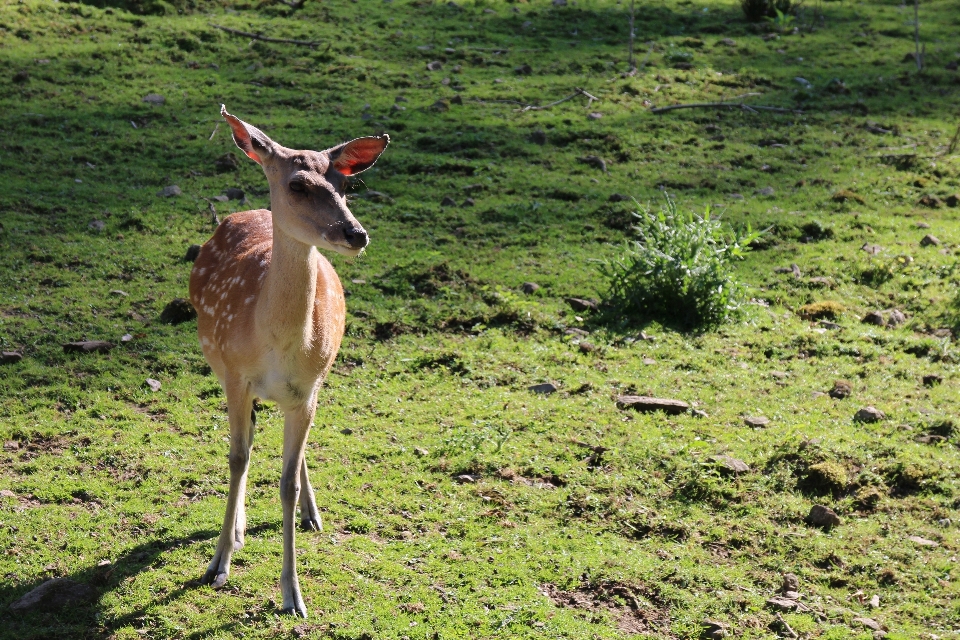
178	310
234	193
618	197
97	225
923	542
457	99
154	98
783	604
420	452
875	602
581	304
88	346
153	384
896	318
874	317
546	388
869	623
826	324
791	583
932	380
193	251
220	198
953	200
594	161
647	404
126	337
465	478
868	415
595	115
803	82
586	347
469	202
523	70
756	421
943	522
727	42
731	464
699	413
6	493
55	594
448	202
226	162
376	196
736	196
841	389
169	191
10	357
713	630
872	249
11	445
440	105
119	292
649	361
436	65
930	201
347	431
530	287
780	375
929	241
821	516
766	191
538	137
923	225
21	77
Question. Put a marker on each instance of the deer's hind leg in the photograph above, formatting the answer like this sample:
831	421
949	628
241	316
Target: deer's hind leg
240	412
309	514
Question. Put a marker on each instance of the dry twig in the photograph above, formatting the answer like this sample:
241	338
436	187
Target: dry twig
786	627
257	36
217	126
725	104
578	92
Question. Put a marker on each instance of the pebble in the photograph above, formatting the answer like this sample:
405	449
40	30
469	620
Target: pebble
929	240
756	421
869	415
153	384
731	464
766	191
154	98
169	191
581	304
923	542
546	388
97	225
448	202
647	404
596	115
841	389
10	357
530	287
436	65
821	516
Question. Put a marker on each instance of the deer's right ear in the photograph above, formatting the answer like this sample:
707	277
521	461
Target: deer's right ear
253	142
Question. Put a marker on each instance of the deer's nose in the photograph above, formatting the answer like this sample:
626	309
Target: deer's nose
356	237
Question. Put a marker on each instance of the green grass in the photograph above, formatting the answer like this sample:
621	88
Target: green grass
442	345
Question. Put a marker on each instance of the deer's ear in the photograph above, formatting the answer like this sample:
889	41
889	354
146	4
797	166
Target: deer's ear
357	155
253	142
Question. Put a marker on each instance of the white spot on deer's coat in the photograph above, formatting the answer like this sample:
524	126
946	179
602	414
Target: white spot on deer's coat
230	318
204	341
248	300
201	271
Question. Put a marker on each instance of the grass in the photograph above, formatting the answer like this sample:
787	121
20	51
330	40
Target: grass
642	532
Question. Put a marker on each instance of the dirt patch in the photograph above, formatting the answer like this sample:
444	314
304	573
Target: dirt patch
636	608
35	444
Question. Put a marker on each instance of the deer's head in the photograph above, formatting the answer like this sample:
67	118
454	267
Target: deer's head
308	188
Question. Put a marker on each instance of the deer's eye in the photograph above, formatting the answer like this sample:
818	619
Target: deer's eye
298	187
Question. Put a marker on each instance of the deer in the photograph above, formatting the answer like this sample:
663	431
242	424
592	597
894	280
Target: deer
270	319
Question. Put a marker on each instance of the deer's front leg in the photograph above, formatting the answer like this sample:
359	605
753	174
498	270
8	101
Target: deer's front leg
296	427
309	514
240	411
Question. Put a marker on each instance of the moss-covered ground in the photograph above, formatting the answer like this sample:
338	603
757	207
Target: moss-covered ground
578	519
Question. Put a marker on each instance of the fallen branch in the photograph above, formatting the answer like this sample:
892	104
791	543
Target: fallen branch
578	92
786	627
216	126
258	36
726	104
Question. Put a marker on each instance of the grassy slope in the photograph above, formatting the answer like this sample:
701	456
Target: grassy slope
441	344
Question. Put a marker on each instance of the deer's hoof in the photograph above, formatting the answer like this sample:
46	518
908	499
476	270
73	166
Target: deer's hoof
215	579
311	524
296	612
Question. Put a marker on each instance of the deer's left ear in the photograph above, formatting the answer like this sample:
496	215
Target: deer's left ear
357	155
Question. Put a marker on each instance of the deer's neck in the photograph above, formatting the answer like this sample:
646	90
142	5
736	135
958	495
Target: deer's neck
285	307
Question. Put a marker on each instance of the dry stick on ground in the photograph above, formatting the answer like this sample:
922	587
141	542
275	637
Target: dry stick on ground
257	36
214	131
578	92
726	104
786	627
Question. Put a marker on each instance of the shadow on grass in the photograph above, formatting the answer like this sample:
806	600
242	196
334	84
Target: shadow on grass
89	620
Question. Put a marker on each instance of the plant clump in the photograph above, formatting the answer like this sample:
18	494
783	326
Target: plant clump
826	477
679	269
758	10
824	310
